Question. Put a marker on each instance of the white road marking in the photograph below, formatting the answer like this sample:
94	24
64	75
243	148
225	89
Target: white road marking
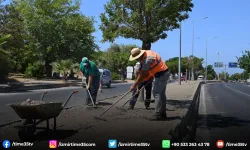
237	90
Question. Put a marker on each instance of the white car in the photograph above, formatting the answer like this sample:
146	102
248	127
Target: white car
248	81
200	77
106	77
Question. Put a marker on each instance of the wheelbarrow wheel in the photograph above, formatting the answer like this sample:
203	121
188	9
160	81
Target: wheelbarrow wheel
26	133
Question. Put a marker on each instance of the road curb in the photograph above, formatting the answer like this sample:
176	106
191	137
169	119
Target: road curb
34	87
185	131
19	120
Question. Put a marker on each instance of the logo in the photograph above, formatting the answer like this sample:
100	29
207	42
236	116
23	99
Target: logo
112	143
165	143
53	144
6	144
220	143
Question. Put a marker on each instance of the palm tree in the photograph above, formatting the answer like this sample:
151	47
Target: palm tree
66	66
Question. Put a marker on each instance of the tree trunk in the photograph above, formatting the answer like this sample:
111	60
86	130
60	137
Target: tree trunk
48	68
146	45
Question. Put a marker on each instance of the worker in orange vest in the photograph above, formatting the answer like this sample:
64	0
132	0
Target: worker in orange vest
148	87
152	66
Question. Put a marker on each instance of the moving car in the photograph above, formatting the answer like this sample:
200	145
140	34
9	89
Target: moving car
106	77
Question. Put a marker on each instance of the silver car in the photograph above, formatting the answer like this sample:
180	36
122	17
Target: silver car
106	77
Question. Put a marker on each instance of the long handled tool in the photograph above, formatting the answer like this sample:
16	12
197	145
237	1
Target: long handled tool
99	117
138	91
91	98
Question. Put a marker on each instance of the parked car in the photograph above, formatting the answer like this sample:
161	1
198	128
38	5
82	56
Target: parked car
248	81
200	77
106	77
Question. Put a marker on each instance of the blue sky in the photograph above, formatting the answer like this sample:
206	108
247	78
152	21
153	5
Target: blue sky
228	20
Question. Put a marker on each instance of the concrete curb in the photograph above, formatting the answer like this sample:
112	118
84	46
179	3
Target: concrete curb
34	87
19	120
185	131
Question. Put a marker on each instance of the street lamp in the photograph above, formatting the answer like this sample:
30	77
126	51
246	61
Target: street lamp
218	63
193	49
206	57
179	68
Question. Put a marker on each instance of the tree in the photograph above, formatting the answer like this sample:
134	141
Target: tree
222	76
116	59
144	20
235	76
4	58
57	30
66	66
12	23
211	74
244	61
172	64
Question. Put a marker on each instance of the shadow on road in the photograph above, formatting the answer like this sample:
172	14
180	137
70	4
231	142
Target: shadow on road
167	119
49	134
179	103
104	103
218	121
112	87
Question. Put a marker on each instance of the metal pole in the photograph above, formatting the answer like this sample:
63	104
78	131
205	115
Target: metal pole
225	72
179	72
206	64
218	65
186	75
193	55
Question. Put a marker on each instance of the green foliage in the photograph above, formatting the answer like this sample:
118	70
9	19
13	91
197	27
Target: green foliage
4	59
244	61
57	30
145	20
172	64
235	76
211	74
34	70
65	66
222	75
116	76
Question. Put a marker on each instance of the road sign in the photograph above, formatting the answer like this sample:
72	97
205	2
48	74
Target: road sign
218	64
233	65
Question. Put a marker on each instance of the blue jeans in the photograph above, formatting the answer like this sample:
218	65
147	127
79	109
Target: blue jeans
148	89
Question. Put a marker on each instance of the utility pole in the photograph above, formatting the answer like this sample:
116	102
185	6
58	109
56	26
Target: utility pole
193	55
206	63
186	75
225	72
179	69
219	64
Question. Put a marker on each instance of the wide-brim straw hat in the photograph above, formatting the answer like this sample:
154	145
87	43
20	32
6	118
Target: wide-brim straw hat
136	53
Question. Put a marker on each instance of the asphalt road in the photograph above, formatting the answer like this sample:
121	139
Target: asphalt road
53	95
224	114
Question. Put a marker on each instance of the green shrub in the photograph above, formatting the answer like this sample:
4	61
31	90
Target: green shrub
4	67
34	70
116	76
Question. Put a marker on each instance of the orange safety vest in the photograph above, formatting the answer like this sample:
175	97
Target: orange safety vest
145	79
158	64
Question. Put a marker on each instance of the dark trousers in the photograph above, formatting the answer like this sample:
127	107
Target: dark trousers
94	87
148	89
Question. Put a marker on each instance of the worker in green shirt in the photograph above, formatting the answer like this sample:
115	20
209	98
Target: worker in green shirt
90	71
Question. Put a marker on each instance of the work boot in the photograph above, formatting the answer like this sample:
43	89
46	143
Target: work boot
147	103
131	107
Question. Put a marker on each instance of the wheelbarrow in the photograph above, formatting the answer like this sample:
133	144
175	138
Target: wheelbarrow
33	115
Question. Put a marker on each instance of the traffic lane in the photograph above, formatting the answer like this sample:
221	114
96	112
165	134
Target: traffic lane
223	115
242	87
54	95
